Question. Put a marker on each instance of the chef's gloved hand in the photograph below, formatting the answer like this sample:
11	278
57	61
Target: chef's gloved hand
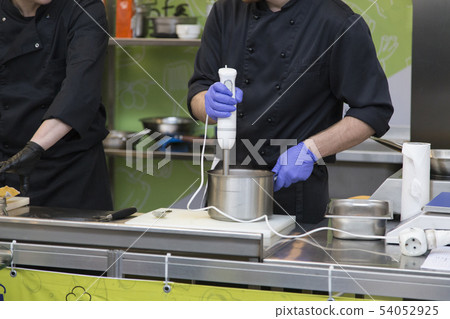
23	164
219	101
294	165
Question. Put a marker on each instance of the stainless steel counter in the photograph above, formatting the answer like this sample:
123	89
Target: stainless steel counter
361	267
34	225
370	266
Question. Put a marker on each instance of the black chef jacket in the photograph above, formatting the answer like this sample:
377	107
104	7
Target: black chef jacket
51	67
296	68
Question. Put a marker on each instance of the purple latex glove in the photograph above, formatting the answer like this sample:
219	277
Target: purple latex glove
294	165
219	101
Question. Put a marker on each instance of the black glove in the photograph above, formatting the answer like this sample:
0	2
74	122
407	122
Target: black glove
23	164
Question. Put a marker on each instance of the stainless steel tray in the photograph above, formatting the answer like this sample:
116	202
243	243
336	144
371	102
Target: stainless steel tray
359	216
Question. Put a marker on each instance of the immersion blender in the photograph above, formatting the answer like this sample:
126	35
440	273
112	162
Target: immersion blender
226	127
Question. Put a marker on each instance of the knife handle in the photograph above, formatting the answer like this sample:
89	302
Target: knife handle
123	213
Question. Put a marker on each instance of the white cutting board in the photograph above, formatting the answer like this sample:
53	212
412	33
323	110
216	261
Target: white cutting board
16	202
182	218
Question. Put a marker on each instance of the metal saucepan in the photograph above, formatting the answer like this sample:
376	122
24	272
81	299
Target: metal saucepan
165	27
439	160
243	194
172	125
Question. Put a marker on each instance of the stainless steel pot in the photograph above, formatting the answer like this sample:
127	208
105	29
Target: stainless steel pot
243	194
171	125
166	26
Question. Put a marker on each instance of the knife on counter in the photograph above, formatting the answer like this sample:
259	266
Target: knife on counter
116	215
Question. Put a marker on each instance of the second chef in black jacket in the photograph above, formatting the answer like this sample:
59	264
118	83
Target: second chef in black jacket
297	62
52	121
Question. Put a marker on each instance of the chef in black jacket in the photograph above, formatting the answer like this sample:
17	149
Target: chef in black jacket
297	62
52	122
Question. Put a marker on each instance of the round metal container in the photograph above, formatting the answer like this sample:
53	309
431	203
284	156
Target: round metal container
243	194
170	125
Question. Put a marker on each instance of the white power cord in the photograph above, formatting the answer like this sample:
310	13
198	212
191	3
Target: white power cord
264	217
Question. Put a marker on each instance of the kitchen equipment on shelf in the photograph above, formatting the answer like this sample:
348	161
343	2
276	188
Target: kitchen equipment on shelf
165	27
244	194
117	139
188	31
359	216
124	16
140	21
171	125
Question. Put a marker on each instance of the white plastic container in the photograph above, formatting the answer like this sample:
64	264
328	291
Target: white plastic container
188	31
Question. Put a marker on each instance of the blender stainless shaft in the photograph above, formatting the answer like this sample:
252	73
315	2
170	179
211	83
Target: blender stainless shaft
226	162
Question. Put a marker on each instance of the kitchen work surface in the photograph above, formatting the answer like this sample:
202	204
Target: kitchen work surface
230	257
182	218
60	226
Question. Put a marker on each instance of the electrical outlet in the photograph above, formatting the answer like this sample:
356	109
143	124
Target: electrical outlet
413	242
